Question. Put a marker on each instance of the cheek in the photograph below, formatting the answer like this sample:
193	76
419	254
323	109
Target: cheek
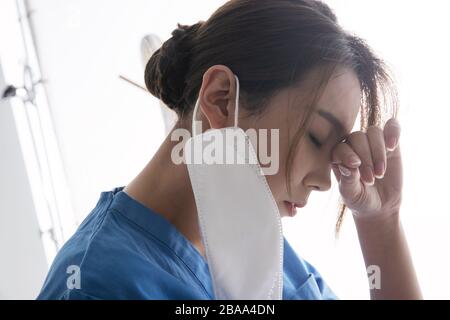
302	161
277	182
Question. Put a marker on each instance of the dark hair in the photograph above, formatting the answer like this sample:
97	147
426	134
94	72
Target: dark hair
269	45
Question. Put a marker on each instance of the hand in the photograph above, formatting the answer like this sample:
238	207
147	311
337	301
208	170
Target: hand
368	167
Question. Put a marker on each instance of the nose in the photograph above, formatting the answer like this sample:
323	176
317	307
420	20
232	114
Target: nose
320	179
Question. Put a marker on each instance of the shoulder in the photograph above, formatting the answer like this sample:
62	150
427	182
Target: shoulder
301	279
107	258
114	272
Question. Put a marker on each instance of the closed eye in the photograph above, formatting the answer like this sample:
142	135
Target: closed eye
314	140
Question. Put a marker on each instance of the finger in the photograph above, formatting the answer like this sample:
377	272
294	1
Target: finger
391	133
378	149
336	172
350	186
345	155
360	144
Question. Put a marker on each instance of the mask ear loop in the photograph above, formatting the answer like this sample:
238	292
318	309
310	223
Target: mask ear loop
236	109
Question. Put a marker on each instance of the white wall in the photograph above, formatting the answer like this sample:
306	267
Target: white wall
22	259
107	129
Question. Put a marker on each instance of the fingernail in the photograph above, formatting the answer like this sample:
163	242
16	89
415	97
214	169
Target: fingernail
392	143
379	169
354	161
344	171
367	174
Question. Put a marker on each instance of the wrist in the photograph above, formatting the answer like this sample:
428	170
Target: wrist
377	224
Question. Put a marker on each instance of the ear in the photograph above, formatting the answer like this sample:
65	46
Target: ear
217	96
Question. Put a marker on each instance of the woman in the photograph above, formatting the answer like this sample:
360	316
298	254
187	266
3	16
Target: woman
299	72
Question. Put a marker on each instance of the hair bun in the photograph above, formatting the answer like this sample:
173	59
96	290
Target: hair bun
165	72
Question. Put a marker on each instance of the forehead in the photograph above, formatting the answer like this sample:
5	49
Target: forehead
342	97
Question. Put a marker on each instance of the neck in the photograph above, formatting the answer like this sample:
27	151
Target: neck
165	187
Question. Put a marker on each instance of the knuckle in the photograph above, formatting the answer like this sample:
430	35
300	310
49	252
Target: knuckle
356	134
374	130
340	152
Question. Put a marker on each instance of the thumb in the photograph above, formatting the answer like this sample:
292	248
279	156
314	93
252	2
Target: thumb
350	185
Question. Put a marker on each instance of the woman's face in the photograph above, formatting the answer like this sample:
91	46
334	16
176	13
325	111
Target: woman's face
332	120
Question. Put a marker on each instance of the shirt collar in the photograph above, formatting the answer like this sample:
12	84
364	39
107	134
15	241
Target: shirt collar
163	230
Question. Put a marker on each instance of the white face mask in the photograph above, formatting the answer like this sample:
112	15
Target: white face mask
239	219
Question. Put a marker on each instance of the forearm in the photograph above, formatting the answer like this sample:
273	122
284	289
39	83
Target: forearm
383	244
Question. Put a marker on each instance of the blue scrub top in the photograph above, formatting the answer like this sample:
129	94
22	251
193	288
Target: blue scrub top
124	250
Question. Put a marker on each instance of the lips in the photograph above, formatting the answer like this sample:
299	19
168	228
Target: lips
300	204
292	207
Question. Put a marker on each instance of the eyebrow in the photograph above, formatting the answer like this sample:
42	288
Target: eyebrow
333	120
